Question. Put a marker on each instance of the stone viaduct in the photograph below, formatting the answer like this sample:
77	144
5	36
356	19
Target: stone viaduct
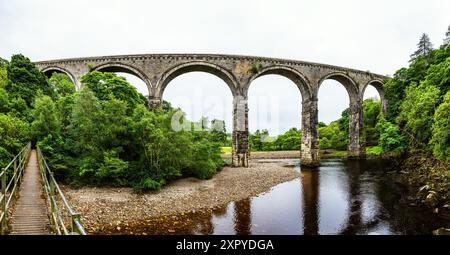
238	72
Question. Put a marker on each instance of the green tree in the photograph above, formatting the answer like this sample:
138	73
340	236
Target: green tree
4	101
218	132
61	84
3	73
417	111
163	153
290	140
371	110
3	63
108	85
65	105
98	131
25	80
333	137
391	139
424	48
255	141
440	141
261	141
14	134
45	118
439	75
447	38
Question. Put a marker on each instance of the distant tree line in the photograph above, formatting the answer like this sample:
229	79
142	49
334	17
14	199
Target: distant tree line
332	136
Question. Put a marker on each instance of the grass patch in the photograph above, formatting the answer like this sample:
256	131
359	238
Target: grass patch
374	150
225	149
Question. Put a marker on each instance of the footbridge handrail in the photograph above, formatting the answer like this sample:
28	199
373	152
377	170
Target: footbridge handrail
63	209
11	177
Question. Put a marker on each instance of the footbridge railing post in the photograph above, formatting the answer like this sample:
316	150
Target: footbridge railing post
3	204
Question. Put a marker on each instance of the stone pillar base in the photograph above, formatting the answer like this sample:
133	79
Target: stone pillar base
357	153
308	161
240	154
240	159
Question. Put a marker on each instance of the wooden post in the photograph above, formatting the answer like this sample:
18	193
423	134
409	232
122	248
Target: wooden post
17	178
52	193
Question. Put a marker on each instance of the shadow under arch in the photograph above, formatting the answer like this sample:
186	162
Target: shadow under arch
197	66
48	71
115	67
295	76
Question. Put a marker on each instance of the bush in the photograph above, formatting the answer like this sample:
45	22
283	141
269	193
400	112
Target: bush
14	134
205	160
391	139
440	141
375	150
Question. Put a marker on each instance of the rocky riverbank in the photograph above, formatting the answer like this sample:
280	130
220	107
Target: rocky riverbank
429	180
107	208
428	183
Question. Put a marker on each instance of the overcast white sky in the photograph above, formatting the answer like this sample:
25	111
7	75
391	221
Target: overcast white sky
368	35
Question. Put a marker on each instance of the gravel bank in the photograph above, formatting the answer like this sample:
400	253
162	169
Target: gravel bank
116	206
274	154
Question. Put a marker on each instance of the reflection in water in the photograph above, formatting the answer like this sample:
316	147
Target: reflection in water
242	217
310	184
206	227
354	170
339	197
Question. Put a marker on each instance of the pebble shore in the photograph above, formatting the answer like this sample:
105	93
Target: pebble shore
100	207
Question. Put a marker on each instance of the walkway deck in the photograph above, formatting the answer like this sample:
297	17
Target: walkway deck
30	212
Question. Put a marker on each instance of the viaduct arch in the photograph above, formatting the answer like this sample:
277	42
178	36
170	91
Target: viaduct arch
238	72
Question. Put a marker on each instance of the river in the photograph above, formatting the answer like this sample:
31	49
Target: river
339	197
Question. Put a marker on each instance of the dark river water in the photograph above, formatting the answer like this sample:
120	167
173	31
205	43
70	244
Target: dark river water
339	197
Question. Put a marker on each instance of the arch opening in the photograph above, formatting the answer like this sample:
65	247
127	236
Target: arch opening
297	78
198	95
372	108
202	67
274	111
344	80
50	70
334	102
375	88
135	77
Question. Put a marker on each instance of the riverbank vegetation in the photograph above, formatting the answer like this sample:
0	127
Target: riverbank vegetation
417	121
102	134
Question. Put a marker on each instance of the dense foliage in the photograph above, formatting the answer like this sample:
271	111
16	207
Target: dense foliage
102	134
332	136
440	142
261	141
418	109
